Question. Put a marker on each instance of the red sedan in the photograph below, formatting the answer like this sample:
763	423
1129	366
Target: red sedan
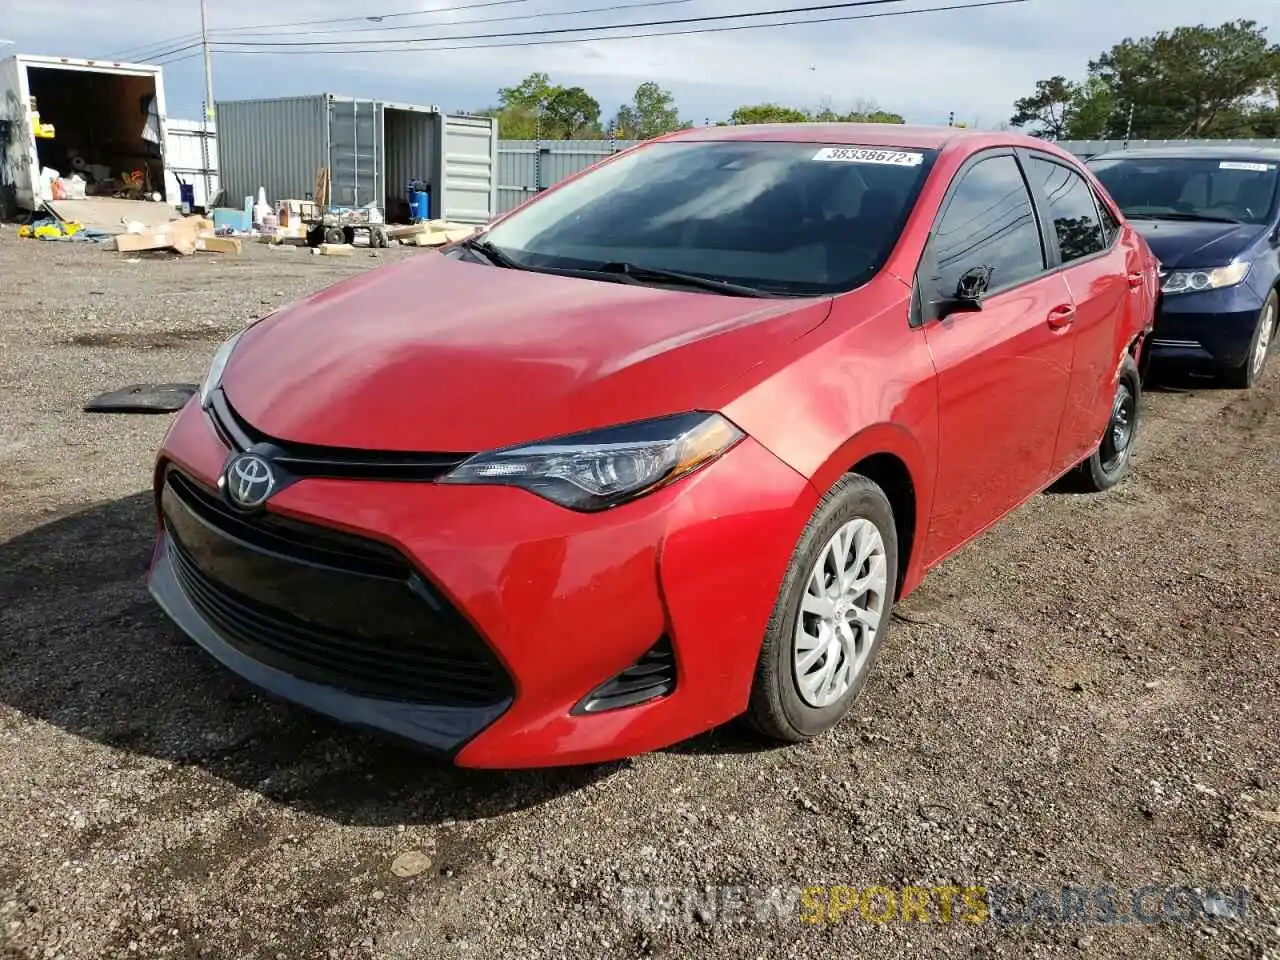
661	447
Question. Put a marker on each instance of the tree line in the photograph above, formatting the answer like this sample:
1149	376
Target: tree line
1188	83
536	108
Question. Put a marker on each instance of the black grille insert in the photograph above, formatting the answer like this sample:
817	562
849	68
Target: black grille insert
324	606
313	460
650	677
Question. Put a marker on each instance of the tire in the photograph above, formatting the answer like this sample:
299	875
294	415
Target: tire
779	708
1109	463
335	235
1246	374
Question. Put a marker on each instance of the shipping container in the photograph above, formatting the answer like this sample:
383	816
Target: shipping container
191	160
101	120
372	150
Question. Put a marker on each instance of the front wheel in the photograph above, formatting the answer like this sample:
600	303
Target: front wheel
1109	463
831	615
1246	375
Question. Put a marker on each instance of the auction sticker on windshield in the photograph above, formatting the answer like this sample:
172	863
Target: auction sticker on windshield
1242	165
897	158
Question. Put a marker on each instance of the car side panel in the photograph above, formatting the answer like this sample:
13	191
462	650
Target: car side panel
1105	306
1002	382
859	385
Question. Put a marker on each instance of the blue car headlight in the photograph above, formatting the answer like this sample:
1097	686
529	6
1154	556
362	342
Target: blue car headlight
1197	281
603	468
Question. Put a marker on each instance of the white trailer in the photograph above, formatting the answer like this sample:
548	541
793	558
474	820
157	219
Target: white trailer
102	116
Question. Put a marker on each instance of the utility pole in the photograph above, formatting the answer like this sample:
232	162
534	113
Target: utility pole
208	102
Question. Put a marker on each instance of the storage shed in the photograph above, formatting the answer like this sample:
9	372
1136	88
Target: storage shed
372	150
101	120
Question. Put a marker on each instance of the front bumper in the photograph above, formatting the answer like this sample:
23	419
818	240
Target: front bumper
1212	327
564	601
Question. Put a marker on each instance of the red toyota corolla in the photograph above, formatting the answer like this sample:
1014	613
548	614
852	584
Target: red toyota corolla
659	448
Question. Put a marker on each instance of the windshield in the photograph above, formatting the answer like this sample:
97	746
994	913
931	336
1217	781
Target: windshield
790	218
1239	190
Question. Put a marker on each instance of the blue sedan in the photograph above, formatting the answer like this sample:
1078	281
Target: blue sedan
1212	217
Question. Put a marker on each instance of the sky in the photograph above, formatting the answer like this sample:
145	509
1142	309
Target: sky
974	63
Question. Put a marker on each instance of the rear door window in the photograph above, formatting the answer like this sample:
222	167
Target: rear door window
1071	209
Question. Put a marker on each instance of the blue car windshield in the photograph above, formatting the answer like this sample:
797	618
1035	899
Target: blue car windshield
1244	191
798	219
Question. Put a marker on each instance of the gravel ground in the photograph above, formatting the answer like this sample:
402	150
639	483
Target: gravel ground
1086	696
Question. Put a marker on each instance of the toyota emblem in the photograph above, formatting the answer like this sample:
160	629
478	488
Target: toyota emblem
249	481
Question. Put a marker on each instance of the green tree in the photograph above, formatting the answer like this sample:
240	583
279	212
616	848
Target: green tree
1184	82
868	111
651	113
1091	110
864	111
1048	110
1188	82
571	113
768	113
536	107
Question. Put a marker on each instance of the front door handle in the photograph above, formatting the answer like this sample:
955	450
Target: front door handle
1136	280
1062	316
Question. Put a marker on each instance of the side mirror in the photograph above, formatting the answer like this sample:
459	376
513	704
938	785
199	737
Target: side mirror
971	289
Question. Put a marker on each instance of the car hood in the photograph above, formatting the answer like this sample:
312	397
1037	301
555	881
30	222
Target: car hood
443	355
1196	243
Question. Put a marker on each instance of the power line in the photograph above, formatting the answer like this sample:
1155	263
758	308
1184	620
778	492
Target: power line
192	42
506	18
370	18
633	36
716	18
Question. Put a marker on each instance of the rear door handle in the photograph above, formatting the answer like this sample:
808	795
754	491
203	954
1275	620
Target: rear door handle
1062	316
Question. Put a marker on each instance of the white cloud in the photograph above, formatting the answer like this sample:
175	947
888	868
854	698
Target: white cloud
975	62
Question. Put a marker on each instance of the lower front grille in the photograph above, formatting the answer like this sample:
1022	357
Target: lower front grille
331	617
650	677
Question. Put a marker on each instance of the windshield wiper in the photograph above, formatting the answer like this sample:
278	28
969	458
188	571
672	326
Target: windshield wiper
495	255
1183	216
641	273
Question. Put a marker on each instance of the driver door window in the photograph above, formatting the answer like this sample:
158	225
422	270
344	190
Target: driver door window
989	222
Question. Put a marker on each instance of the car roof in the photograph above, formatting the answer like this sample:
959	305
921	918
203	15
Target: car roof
1207	151
862	134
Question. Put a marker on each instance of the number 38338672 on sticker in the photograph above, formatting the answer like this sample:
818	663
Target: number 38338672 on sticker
902	158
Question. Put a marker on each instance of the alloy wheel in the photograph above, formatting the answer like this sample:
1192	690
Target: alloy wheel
1264	338
845	597
1115	444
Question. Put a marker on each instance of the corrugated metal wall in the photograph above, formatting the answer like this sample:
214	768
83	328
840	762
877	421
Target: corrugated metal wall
189	159
409	146
277	144
525	166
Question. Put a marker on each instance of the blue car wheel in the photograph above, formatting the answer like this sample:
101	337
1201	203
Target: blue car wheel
1247	373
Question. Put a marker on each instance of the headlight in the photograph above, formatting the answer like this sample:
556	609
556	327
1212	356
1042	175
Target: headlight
603	468
1195	281
216	366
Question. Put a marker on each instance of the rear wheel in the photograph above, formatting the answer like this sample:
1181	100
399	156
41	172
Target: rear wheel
1246	374
831	615
1109	463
